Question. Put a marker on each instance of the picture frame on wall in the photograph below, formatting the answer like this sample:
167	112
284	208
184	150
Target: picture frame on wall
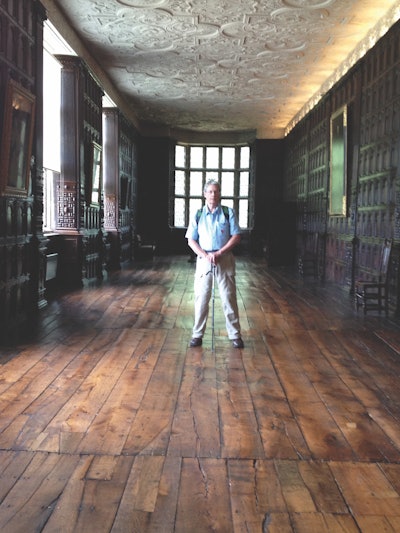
338	163
17	138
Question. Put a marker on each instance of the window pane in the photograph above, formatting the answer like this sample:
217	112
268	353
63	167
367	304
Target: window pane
227	184
180	156
196	157
179	183
194	205
245	157
228	202
51	112
196	184
179	209
243	213
244	184
212	157
49	199
228	157
212	176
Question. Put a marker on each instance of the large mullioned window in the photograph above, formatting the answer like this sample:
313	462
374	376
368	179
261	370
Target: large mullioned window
195	165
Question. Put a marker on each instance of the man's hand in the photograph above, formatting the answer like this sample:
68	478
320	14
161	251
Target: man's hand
213	257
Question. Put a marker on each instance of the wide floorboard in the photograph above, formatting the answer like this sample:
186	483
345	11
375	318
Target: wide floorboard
109	422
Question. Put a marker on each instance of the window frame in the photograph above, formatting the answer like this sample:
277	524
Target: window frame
192	202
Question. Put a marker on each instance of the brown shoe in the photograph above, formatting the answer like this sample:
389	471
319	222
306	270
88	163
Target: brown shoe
237	343
196	341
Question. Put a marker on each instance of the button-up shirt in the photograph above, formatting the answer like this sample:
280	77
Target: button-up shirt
213	230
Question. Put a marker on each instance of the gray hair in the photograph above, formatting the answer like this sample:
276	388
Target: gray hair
211	182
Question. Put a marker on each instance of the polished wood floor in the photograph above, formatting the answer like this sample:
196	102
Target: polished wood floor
110	423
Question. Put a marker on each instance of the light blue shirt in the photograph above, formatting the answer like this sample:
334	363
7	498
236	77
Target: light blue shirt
213	230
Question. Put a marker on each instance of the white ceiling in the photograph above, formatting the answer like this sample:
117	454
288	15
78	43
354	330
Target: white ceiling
221	65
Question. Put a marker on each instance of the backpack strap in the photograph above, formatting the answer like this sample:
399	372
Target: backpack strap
225	209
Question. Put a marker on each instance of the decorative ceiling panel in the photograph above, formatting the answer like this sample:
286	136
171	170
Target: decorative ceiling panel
225	65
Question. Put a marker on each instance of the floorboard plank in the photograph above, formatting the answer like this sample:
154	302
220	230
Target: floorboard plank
366	489
240	431
196	427
203	503
37	489
100	498
150	430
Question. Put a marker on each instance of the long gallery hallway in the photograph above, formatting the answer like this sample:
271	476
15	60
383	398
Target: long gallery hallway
111	423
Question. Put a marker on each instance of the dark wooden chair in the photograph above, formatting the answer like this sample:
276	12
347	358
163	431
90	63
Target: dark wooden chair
372	295
308	258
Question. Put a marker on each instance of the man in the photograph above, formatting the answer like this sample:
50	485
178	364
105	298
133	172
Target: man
212	236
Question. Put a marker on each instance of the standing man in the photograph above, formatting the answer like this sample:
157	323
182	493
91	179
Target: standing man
212	236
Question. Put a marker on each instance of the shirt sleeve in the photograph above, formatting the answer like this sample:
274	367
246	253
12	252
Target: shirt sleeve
233	223
192	232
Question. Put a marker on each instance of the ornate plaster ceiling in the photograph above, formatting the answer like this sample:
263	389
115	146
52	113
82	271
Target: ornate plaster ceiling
223	65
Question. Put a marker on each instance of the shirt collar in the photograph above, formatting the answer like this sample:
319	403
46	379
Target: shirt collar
209	212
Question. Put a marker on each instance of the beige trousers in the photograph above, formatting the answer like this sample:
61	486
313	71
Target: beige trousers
225	279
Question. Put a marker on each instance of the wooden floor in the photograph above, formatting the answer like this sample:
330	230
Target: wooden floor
110	423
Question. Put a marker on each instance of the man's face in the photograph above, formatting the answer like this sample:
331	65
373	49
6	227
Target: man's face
212	195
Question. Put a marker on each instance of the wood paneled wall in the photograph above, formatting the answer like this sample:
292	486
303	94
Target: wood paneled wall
120	186
22	244
349	245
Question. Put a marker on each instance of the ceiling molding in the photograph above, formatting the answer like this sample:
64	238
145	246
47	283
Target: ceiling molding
373	36
195	67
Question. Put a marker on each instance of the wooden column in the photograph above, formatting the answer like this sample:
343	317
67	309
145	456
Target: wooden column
69	219
119	179
79	191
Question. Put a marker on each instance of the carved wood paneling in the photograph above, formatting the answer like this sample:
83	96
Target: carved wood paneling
372	93
378	157
21	239
120	177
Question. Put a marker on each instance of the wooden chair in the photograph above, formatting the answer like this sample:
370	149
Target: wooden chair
372	294
308	259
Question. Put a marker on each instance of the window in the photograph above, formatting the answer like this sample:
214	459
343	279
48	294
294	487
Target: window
195	165
52	44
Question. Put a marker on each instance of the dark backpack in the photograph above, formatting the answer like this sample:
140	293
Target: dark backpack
225	209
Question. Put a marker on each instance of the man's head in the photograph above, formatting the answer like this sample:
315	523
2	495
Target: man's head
212	193
211	182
